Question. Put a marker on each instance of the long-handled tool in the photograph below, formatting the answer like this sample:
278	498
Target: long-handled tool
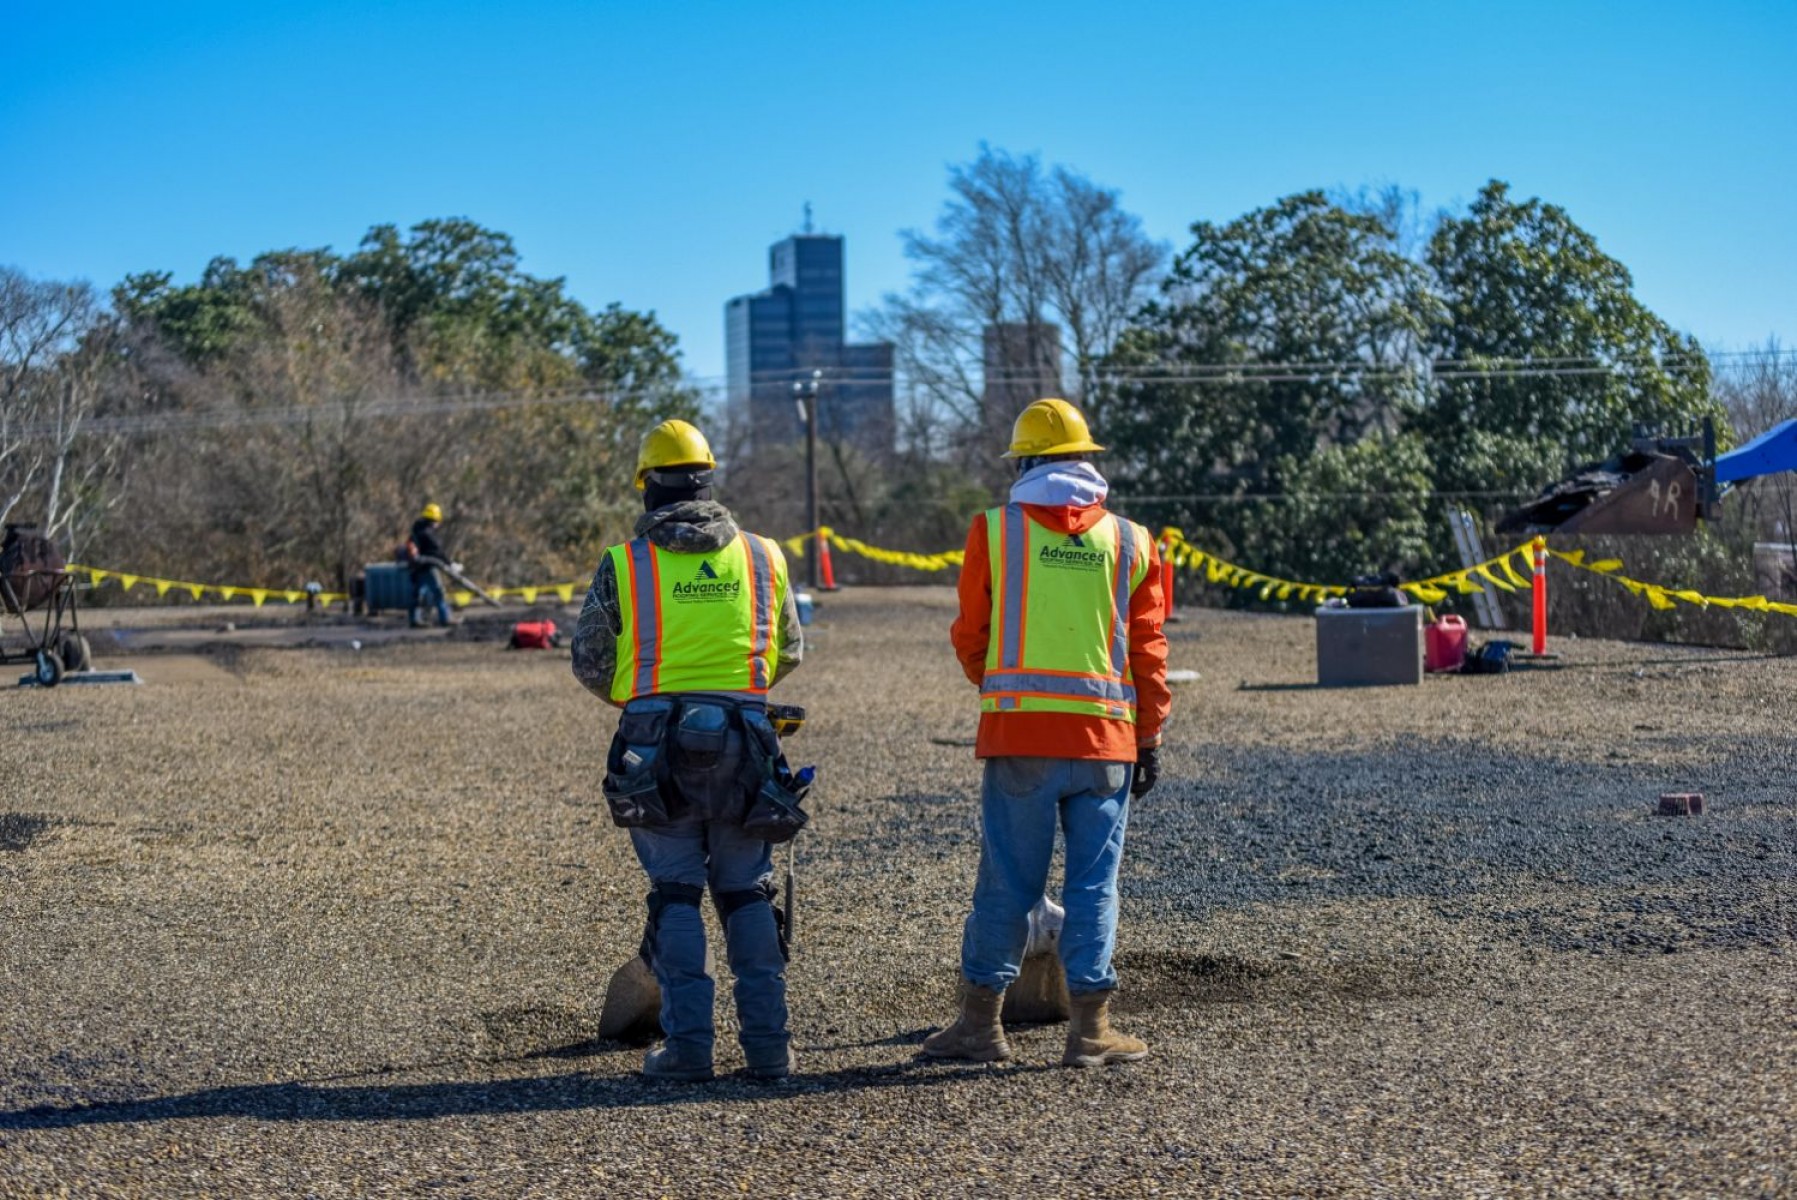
456	576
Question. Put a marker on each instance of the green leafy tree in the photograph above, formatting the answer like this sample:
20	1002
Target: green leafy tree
1545	356
1278	335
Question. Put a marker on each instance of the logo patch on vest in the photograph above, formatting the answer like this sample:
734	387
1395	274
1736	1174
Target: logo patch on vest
706	587
1074	556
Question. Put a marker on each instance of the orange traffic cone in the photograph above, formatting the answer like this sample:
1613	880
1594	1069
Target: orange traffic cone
1166	581
823	563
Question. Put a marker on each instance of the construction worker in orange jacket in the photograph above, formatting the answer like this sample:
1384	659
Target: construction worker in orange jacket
1060	628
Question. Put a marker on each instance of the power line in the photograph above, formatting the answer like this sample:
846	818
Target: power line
1197	375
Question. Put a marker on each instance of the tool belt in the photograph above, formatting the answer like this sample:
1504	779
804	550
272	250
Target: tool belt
713	757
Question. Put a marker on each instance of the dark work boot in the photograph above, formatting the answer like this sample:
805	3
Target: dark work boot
780	1068
668	1062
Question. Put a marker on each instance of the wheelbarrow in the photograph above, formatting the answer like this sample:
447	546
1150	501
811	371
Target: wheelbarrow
37	589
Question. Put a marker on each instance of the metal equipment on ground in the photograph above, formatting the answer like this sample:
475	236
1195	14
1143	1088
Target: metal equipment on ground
1658	485
34	585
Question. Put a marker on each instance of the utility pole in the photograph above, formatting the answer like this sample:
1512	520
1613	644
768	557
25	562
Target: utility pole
805	392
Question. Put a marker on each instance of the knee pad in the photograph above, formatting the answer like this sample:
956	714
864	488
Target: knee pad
732	902
729	903
663	896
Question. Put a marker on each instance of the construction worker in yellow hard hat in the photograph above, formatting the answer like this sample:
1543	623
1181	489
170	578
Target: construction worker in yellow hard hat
672	446
687	626
1050	427
1070	721
425	553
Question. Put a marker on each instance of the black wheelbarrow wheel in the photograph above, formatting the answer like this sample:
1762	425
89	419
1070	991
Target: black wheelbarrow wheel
76	654
48	669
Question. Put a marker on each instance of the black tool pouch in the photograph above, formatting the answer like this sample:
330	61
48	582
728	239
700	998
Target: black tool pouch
773	814
705	758
636	767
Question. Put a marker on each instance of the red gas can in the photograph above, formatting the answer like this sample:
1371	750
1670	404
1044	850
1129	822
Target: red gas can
1444	644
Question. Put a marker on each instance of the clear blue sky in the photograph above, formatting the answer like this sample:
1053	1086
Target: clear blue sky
650	151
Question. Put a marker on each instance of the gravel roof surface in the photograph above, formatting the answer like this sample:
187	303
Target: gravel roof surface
334	922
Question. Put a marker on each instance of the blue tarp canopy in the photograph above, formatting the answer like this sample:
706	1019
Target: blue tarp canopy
1771	452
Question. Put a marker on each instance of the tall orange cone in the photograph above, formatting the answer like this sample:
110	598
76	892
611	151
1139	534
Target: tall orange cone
823	562
1166	579
1539	595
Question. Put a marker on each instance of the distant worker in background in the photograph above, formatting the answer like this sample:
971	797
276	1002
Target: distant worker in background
1060	628
425	554
686	628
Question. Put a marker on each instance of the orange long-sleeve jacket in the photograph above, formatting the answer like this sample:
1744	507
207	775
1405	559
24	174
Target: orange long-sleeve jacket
1065	735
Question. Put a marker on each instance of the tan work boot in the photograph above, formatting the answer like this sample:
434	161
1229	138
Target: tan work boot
976	1034
1091	1042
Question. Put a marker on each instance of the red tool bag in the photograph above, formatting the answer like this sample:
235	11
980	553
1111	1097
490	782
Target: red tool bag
535	635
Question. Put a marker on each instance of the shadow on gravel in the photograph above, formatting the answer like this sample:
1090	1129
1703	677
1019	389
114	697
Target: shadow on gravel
306	1101
1176	979
19	830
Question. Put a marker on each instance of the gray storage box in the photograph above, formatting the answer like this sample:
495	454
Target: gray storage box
1359	647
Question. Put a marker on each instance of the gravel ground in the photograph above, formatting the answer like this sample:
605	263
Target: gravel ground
330	922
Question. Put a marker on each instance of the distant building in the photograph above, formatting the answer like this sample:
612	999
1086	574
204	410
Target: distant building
1021	362
778	337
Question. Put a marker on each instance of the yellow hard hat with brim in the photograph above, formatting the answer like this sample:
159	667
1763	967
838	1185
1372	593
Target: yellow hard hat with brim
1050	426
432	512
672	444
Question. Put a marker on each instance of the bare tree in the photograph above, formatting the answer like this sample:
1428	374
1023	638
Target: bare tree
53	341
1039	264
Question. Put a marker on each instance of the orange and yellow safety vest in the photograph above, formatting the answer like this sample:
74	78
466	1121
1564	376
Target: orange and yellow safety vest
697	622
1060	616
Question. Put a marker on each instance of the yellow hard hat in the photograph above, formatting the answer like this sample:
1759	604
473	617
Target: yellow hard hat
1050	426
432	512
672	444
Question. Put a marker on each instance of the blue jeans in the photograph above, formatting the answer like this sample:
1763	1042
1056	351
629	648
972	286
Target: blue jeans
1022	800
720	854
427	590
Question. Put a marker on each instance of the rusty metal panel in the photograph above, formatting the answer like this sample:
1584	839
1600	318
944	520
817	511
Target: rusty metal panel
1661	499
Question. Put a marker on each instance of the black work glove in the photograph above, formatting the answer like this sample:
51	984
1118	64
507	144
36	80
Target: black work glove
1148	770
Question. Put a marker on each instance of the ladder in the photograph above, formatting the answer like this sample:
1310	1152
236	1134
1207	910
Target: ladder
1486	609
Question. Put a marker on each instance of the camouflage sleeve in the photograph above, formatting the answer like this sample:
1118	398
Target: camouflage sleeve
789	639
595	650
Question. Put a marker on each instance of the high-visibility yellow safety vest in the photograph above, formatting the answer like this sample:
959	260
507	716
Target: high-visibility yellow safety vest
697	622
1060	616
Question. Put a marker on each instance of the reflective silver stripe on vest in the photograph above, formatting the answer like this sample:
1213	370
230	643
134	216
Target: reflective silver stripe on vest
1073	687
1126	565
762	563
647	616
1017	553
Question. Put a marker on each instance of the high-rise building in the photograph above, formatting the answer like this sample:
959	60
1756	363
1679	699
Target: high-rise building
778	337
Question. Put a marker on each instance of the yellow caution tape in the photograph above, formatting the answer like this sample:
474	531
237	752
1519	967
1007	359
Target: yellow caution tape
1662	597
1508	572
795	546
1270	587
198	591
460	597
